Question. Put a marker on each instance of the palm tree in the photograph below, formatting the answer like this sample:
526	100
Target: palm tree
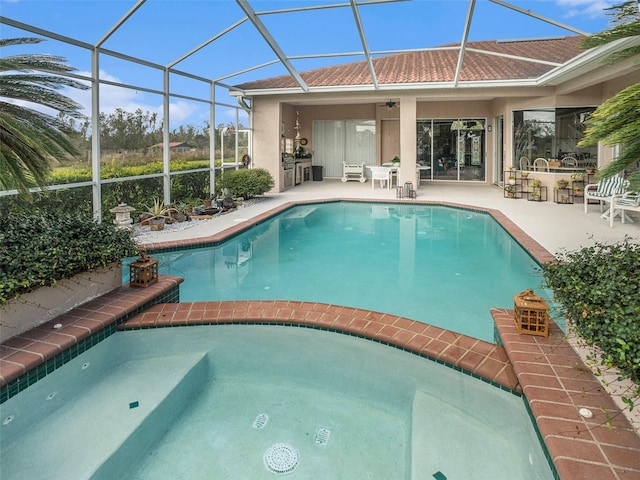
617	121
30	140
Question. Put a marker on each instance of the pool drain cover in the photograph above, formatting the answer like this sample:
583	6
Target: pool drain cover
281	458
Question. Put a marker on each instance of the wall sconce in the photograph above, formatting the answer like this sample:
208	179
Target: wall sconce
489	128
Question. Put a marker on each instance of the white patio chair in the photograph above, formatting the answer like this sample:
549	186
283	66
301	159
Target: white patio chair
541	164
525	164
383	174
620	204
603	191
569	162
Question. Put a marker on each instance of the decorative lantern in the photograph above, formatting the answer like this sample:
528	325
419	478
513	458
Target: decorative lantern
531	314
409	192
123	215
143	272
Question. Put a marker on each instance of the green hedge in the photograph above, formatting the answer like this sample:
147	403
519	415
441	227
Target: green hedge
139	193
597	290
188	188
39	249
246	183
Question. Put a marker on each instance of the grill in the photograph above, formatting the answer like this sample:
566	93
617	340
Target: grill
288	161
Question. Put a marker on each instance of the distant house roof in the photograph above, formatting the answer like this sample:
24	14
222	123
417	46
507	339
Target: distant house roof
172	145
483	61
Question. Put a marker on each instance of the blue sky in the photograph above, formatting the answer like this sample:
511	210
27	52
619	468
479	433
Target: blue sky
162	31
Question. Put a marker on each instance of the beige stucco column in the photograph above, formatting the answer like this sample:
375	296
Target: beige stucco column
266	138
408	139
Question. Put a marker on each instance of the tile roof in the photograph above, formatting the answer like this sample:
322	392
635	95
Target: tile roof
439	65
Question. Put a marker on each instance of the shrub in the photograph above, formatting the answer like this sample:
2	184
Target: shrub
596	289
38	250
246	183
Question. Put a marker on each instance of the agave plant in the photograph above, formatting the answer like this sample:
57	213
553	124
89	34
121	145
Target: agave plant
31	140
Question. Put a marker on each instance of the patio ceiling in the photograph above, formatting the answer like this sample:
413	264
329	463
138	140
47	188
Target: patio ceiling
258	40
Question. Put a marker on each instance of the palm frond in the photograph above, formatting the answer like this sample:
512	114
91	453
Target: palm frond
30	140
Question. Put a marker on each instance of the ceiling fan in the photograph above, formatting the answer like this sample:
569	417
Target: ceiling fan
389	104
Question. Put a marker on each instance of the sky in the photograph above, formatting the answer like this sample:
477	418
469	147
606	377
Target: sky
164	31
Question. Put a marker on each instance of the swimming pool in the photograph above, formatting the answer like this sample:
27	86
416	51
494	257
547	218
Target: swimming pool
212	402
440	265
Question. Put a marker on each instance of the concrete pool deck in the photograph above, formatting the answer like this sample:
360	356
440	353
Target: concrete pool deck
549	372
554	226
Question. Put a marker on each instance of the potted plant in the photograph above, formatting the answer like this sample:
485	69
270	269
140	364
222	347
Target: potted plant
510	190
512	179
186	207
157	215
524	174
578	189
536	190
208	198
563	183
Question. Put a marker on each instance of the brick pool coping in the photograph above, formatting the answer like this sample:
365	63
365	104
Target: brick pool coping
482	359
548	371
24	353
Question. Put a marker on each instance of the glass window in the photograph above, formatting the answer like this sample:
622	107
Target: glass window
570	128
552	134
534	133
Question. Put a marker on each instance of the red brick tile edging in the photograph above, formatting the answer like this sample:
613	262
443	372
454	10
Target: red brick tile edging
480	358
551	375
557	384
26	351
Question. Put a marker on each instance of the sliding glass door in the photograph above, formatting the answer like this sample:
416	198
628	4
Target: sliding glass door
454	149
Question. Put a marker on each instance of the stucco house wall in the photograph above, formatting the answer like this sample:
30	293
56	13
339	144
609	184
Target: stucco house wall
275	115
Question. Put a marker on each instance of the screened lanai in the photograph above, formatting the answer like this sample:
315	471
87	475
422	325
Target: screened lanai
168	108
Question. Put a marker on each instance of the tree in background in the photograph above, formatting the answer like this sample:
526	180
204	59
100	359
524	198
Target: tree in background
617	121
123	130
30	140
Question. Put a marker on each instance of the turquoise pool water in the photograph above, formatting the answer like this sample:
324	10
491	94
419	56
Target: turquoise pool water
440	265
206	402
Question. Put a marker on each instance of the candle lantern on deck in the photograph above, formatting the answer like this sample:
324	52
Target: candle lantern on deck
143	272
531	314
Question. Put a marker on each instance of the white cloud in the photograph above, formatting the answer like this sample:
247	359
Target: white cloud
112	98
587	8
180	111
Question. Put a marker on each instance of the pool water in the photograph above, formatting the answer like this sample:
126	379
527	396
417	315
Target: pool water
206	402
439	265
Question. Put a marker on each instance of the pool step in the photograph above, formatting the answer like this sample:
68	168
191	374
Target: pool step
421	463
105	430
